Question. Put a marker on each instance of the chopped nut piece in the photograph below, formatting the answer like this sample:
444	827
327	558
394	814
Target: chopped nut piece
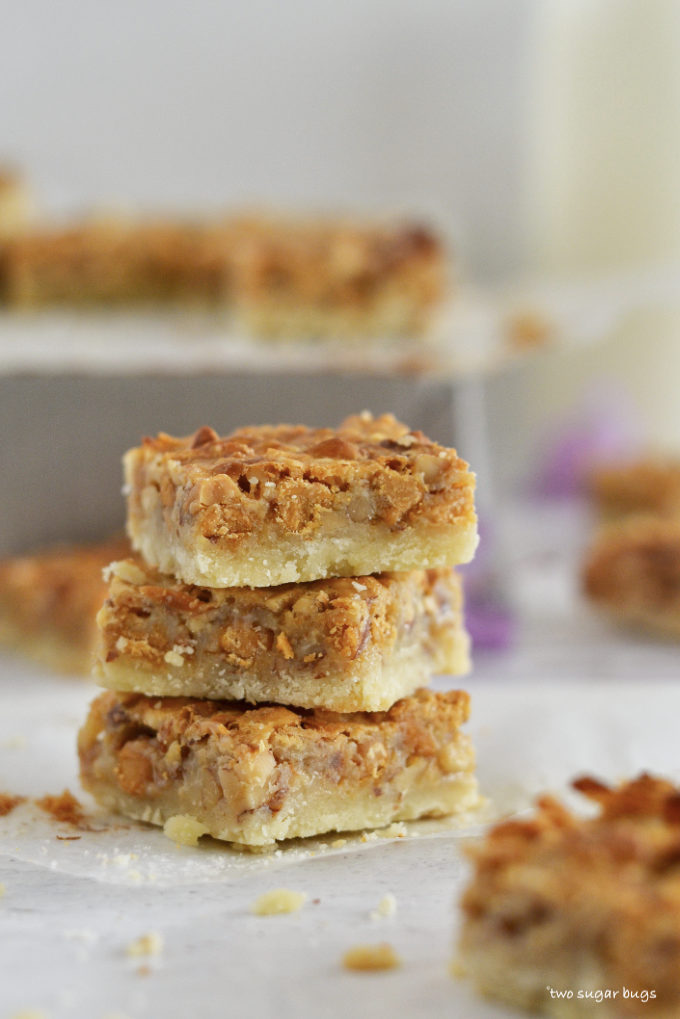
279	900
371	957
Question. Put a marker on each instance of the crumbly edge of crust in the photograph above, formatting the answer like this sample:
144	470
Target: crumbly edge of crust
372	689
316	813
269	558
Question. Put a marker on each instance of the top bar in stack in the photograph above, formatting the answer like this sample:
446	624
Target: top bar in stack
274	505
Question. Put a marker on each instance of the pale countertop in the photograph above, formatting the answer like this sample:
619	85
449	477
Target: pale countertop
572	696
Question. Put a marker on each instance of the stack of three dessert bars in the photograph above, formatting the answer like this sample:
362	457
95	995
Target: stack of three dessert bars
267	649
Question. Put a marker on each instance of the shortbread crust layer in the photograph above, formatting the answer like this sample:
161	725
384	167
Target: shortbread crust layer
258	775
347	644
274	505
580	904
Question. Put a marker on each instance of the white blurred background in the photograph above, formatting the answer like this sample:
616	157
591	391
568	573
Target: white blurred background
543	136
387	104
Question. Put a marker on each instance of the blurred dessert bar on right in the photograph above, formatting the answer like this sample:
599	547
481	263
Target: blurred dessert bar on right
646	485
632	572
572	916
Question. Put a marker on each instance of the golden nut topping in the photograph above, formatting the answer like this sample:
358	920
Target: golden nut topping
204	436
335	448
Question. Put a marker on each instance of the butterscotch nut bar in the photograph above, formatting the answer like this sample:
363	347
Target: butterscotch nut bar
642	486
632	572
331	278
49	601
272	505
258	775
109	261
560	908
348	644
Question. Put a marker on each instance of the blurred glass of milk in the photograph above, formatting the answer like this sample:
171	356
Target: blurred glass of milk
603	182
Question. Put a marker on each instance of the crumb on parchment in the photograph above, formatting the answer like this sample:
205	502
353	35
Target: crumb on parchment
279	900
64	807
145	944
184	829
367	958
9	802
386	907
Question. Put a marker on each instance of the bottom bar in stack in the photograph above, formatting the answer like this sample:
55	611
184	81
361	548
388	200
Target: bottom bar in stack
255	775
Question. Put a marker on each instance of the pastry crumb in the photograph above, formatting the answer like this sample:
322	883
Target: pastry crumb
17	742
386	907
145	944
457	970
64	807
396	830
371	957
338	843
369	836
173	658
184	829
279	900
8	803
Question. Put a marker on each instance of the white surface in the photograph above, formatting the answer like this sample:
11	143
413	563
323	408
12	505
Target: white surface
573	696
471	334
